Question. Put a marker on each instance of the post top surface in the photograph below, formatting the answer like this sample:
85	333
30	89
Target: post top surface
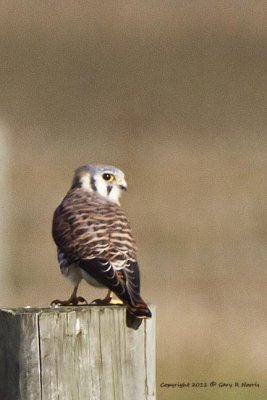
58	309
63	309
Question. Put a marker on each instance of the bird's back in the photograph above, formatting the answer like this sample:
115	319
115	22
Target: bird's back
85	226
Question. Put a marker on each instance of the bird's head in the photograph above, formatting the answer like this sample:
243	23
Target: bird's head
108	181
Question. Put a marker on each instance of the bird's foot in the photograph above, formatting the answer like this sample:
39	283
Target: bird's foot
103	302
107	301
72	301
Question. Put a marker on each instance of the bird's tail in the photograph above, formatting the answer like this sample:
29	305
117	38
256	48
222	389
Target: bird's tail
136	313
125	284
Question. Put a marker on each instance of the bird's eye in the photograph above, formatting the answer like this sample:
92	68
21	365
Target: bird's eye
108	177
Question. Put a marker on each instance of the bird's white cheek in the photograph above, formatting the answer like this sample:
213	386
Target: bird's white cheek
114	194
101	188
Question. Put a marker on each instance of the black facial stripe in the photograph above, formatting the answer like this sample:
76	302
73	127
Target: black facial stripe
109	188
92	181
76	183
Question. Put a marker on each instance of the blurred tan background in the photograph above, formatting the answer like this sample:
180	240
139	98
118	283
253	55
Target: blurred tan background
173	93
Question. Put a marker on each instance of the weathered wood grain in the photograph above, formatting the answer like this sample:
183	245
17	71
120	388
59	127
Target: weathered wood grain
75	353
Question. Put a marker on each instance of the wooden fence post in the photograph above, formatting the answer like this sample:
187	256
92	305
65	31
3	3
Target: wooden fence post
75	353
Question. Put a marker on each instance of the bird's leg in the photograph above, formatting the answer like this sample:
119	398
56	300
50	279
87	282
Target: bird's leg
74	300
105	301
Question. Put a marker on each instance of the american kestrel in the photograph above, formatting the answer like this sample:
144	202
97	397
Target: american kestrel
94	240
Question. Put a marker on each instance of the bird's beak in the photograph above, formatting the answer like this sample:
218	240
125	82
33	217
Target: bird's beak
123	184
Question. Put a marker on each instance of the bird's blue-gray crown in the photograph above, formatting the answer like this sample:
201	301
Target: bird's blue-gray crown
106	180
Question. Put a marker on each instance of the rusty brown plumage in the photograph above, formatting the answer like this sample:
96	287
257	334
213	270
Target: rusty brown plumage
86	226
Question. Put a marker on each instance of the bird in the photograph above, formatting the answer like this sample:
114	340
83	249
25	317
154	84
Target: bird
94	240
